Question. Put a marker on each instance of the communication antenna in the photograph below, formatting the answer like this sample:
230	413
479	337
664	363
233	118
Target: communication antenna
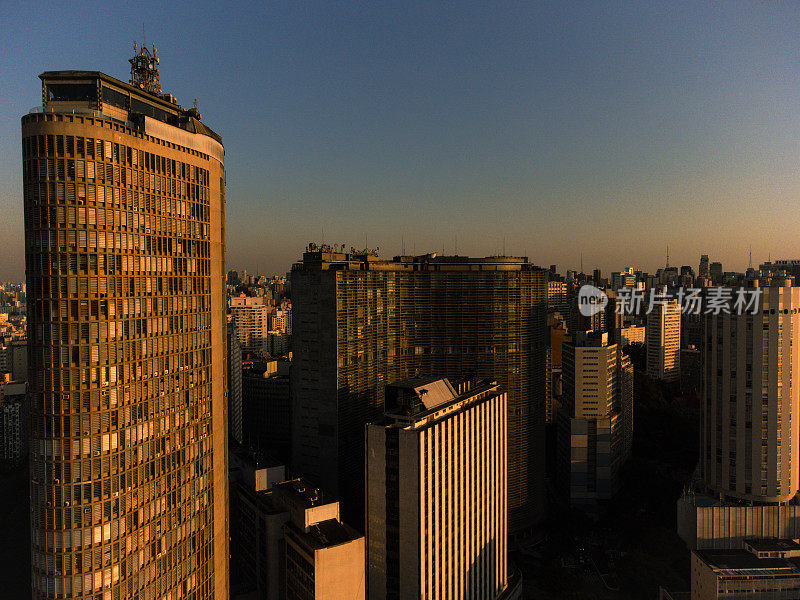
144	68
667	256
750	262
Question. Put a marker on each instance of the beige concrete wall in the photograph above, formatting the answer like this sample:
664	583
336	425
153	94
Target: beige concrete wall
339	572
725	527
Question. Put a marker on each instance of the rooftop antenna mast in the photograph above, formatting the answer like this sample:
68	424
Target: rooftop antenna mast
750	263
144	68
667	256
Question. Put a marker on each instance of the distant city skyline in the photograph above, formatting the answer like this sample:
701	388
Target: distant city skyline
604	129
562	267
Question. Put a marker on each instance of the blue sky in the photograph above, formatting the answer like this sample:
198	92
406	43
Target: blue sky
611	129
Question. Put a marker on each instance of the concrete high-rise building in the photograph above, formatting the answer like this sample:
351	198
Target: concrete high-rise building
624	279
287	542
558	335
632	334
266	408
749	434
436	493
281	318
597	278
325	558
251	316
778	268
18	363
761	569
664	340
13	422
703	270
125	260
715	272
577	321
360	323
749	426
557	297
595	423
234	385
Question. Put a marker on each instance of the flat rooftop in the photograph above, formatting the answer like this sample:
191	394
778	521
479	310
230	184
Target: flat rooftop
80	87
321	258
327	534
772	544
303	494
744	563
414	399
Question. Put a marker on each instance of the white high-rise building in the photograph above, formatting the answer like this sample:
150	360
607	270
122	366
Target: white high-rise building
595	422
751	415
436	493
557	297
281	318
664	340
750	426
251	315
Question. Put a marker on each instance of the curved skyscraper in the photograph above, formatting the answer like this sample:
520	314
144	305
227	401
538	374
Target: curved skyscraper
124	242
360	323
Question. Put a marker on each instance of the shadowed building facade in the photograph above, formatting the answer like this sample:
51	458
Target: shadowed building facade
125	261
360	323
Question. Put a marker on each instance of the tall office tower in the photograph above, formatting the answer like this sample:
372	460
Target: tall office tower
14	422
266	408
557	297
715	272
751	401
687	276
125	259
280	318
287	542
664	340
749	426
595	423
234	385
359	323
781	267
597	278
251	317
436	492
623	279
577	321
703	270
557	336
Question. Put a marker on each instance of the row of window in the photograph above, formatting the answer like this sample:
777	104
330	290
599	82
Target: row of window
104	309
61	205
90	176
67	146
